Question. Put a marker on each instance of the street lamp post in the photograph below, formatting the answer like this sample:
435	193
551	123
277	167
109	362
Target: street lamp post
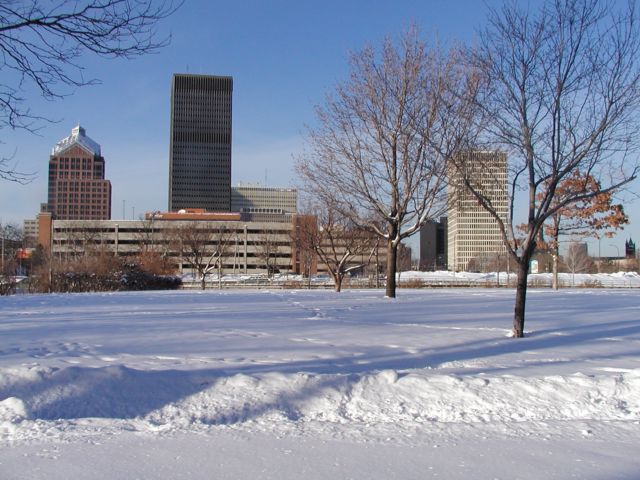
617	260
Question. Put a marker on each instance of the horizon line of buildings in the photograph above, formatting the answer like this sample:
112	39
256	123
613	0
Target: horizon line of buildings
200	179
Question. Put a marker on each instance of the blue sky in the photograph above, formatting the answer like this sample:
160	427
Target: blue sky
284	56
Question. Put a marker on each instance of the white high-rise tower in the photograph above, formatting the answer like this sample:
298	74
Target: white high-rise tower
473	233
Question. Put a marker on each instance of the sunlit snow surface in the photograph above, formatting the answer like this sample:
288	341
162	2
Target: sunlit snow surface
284	383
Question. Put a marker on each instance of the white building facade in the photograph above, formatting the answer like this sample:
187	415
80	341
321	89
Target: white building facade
259	199
473	232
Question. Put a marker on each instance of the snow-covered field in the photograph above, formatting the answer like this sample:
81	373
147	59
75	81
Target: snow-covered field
288	384
437	278
565	280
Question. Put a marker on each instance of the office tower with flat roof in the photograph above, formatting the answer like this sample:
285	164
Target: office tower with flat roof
200	143
473	234
433	245
248	198
77	188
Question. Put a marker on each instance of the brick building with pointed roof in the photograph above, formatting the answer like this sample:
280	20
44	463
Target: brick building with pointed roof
77	187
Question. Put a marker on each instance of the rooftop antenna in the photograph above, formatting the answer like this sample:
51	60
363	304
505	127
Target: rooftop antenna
265	177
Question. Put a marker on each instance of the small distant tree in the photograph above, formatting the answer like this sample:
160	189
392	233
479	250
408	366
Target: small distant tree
339	240
203	246
154	243
11	238
12	241
155	263
304	238
577	260
38	280
268	249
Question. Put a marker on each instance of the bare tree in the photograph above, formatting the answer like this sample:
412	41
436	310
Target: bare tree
203	246
304	238
267	251
337	241
42	45
154	243
561	92
577	260
497	262
380	148
11	240
11	236
83	240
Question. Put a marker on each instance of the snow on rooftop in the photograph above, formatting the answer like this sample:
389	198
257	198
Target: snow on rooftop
78	136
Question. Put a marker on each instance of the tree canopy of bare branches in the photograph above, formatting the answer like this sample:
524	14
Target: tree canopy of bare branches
379	151
267	251
304	239
335	239
11	239
42	44
560	93
577	260
203	246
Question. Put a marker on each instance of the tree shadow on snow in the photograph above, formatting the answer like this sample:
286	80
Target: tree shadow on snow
124	393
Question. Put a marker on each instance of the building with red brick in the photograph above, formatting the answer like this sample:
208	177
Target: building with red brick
77	187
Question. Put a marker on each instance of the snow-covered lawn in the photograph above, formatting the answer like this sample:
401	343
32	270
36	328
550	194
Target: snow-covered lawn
288	384
437	278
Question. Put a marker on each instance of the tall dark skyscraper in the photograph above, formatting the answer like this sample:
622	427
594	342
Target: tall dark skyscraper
200	145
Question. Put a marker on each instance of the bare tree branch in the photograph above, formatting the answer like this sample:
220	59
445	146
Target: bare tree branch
42	44
9	171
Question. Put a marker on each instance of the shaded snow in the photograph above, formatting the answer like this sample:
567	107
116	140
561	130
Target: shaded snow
348	375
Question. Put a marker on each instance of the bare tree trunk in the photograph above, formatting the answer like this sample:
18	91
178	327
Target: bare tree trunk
377	267
392	253
337	282
203	282
555	269
521	296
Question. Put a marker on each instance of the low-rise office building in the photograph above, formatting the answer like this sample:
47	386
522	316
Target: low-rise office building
244	247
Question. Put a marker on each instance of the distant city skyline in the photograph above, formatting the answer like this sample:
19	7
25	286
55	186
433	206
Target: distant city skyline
284	57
